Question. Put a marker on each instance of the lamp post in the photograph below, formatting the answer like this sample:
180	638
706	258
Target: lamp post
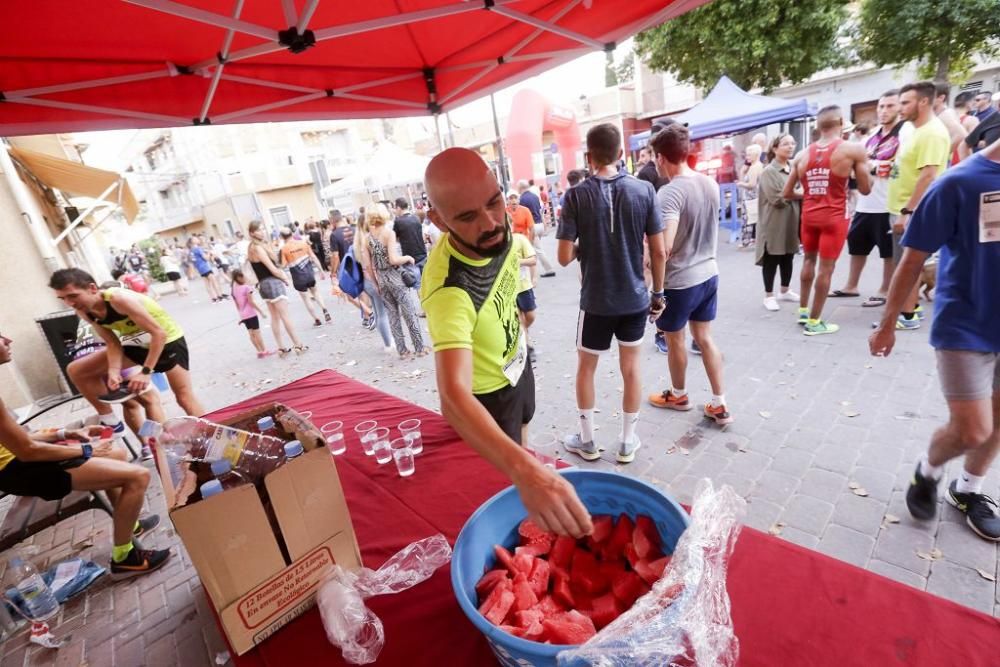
500	156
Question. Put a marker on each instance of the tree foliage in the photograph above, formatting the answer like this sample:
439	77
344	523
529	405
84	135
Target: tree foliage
942	35
756	43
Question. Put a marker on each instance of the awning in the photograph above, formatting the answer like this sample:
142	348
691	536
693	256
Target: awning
106	64
74	178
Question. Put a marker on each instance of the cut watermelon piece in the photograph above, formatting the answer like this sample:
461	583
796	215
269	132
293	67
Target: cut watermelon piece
604	609
562	552
531	534
620	536
534	631
485	585
646	538
498	612
548	606
513	630
539	578
586	573
564	631
504	558
603	526
574	616
611	568
631	555
561	590
533	550
651	571
523	564
628	587
524	596
494	596
528	617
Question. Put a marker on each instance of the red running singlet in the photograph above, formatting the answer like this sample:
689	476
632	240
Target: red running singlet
824	204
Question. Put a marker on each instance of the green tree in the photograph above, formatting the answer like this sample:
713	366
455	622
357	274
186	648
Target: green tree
756	43
941	35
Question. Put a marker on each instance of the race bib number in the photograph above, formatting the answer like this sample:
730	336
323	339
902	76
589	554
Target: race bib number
989	217
515	367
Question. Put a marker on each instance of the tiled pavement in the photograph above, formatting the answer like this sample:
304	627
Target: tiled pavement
815	418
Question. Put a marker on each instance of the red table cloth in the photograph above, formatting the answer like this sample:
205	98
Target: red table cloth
790	606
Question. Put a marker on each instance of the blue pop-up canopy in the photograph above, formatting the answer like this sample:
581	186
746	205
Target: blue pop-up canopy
729	109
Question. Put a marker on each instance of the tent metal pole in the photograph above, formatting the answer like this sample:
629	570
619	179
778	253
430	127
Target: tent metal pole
90	209
226	43
550	54
451	130
93	228
437	130
70	106
548	26
468	82
501	160
306	15
381	100
211	18
291	15
272	105
530	38
83	85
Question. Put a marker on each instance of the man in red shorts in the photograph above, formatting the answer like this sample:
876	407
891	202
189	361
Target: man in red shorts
824	168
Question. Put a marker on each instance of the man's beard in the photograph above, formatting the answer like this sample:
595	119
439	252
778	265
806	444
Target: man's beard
490	251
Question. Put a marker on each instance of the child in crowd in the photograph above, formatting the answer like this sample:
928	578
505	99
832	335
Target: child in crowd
248	310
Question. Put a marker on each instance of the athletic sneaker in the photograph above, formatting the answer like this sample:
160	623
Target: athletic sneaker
139	561
803	316
788	296
978	510
921	496
820	328
667	399
904	324
585	450
660	343
317	323
146	525
694	347
919	312
627	450
146	454
121	394
718	413
326	314
770	303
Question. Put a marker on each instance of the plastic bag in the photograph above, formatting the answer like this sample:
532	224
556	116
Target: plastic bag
349	624
685	619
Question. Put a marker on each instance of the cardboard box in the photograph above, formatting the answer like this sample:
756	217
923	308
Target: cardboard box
237	557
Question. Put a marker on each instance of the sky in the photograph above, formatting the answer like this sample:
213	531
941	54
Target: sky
113	149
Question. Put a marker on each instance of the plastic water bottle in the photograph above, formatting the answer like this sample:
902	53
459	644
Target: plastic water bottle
251	454
39	602
225	475
212	487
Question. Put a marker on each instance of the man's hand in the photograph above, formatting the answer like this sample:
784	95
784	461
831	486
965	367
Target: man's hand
84	434
883	340
103	448
114	379
552	503
657	304
899	224
138	383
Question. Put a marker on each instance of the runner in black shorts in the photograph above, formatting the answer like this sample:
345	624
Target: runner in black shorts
51	463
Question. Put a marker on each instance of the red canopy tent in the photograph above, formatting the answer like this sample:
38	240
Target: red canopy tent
105	64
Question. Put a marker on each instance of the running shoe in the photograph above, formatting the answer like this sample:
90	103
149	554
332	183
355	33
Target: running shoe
820	328
317	323
326	315
660	343
121	394
585	450
979	511
694	348
718	413
921	496
146	525
788	296
919	312
803	316
669	400
770	303
627	450
146	454
139	561
903	324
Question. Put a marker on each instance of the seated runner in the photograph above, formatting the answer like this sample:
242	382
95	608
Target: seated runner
51	463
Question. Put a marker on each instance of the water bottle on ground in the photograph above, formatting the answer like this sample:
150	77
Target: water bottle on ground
39	602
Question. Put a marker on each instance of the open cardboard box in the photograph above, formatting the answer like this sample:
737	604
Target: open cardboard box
236	553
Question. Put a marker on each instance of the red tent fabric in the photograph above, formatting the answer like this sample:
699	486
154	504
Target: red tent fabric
106	64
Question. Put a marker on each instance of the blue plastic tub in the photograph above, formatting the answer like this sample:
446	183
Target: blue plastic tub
497	520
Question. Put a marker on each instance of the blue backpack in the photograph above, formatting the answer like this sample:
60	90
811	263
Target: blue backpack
350	275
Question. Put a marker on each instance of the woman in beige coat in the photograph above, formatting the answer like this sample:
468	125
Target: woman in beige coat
778	222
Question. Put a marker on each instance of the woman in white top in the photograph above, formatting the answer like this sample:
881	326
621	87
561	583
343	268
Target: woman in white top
172	268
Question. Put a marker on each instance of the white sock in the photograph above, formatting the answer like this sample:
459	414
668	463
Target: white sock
968	483
110	419
629	421
678	392
927	470
587	425
718	400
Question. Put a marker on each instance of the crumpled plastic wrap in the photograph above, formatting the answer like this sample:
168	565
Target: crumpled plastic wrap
685	620
349	624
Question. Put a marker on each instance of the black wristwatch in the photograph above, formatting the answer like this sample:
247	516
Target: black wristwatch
146	370
906	211
88	450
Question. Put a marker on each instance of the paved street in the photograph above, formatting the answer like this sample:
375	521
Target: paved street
824	443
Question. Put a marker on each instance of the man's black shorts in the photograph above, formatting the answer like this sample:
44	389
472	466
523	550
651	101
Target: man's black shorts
304	285
40	479
868	231
175	353
512	407
594	333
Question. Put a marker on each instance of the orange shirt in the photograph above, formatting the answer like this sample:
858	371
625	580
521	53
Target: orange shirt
521	221
293	251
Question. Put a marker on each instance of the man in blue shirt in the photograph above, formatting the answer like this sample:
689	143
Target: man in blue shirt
960	215
605	220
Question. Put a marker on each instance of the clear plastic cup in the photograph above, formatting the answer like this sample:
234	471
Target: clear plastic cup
333	432
364	431
544	447
402	453
410	429
380	445
307	415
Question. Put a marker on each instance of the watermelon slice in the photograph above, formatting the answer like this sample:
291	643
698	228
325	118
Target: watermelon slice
513	630
498	612
631	555
548	606
620	536
565	631
651	571
586	574
628	587
528	617
504	558
539	578
534	549
603	525
560	588
562	552
485	585
531	534
523	564
604	609
524	596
